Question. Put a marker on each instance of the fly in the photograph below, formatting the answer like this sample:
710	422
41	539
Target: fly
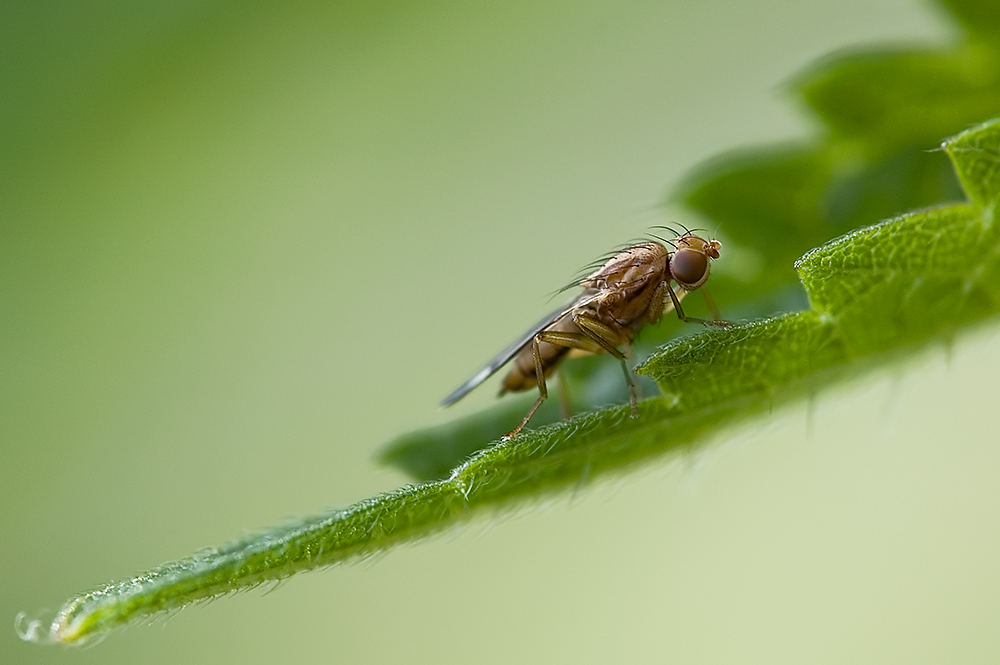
634	287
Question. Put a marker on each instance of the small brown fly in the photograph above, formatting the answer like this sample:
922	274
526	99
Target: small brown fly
629	290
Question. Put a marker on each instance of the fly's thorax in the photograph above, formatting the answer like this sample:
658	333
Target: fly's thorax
630	269
625	288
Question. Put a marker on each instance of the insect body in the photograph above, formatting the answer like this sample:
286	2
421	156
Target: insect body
633	288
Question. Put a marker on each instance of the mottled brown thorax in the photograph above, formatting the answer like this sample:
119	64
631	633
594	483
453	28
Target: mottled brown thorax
629	287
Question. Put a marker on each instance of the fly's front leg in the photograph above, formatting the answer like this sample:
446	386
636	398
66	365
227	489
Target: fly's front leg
600	334
711	305
689	319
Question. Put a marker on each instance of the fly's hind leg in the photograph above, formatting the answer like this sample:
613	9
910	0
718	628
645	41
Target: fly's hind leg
566	339
600	333
542	392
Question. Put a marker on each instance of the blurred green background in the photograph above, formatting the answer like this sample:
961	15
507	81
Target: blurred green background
243	245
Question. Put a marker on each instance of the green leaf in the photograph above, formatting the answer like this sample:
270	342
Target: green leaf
875	292
974	154
875	295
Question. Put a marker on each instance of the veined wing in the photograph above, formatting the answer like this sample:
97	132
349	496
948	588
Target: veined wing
515	347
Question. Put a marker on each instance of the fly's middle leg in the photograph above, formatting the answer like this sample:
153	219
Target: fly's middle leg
600	333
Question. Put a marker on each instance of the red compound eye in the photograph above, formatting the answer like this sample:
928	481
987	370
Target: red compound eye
689	267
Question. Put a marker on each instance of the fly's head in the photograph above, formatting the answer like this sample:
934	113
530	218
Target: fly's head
690	262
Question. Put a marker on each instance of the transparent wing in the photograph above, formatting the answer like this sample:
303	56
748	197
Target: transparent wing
515	347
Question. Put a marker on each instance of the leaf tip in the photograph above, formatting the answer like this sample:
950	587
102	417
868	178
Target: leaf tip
40	629
975	154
